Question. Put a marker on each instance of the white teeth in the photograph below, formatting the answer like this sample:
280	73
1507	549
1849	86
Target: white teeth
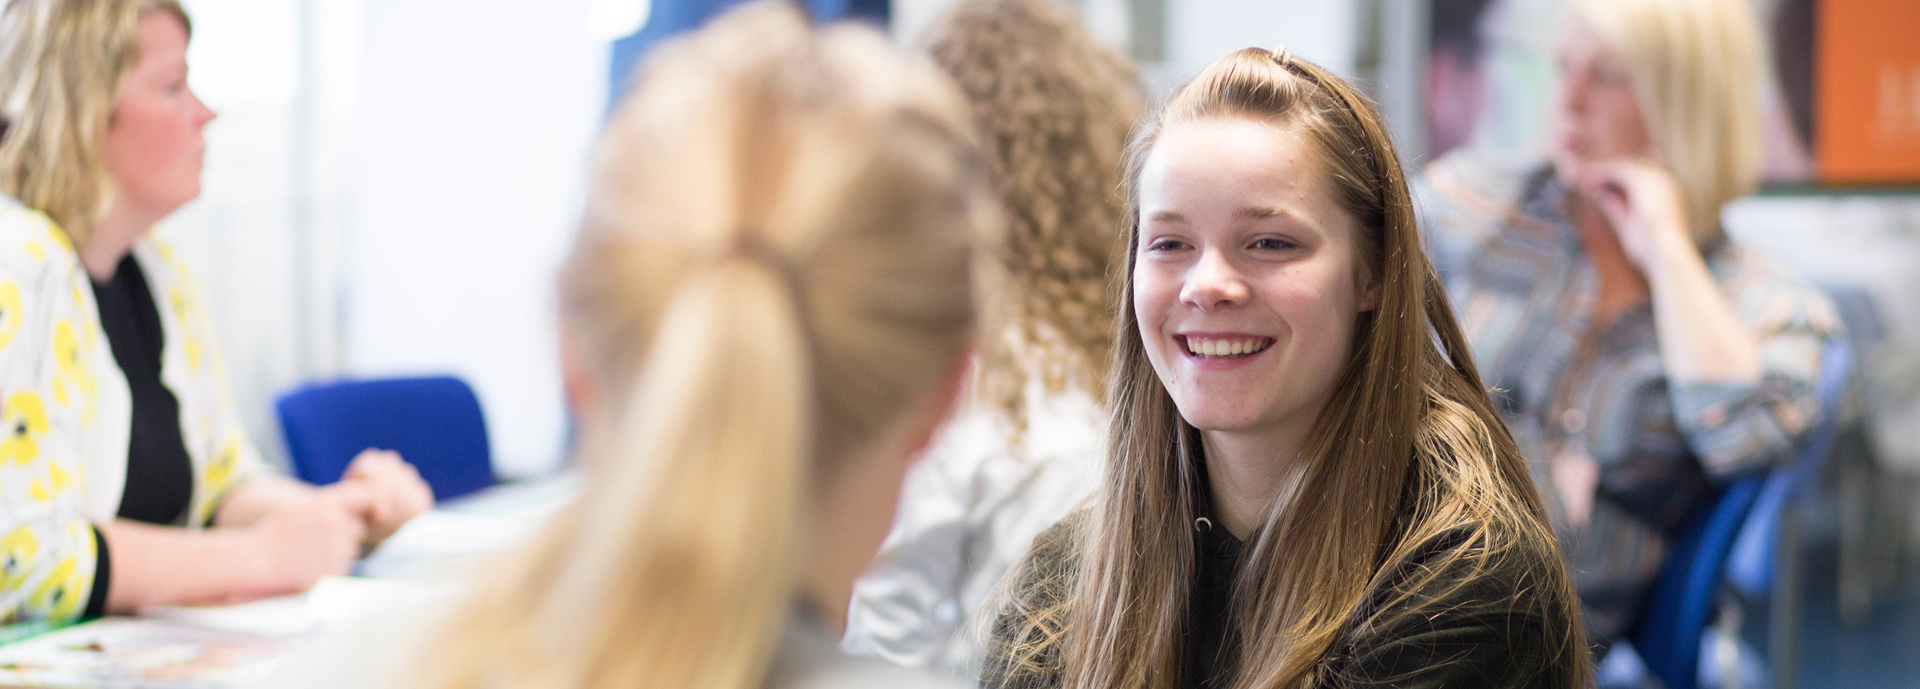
1224	347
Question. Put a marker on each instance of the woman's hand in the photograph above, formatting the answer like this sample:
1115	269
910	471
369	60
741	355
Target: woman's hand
394	491
1644	205
1701	338
315	537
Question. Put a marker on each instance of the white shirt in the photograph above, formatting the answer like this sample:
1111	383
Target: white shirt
968	512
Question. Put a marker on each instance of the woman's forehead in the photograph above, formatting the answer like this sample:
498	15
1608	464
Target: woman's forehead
1234	169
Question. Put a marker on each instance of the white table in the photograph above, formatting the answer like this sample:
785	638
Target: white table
233	646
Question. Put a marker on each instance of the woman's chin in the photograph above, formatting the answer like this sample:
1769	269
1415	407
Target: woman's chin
1218	420
1566	166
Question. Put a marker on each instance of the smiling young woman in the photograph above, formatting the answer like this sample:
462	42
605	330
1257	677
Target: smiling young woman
1307	484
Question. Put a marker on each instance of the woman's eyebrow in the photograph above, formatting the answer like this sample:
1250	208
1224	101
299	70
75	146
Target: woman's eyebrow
1264	212
1167	216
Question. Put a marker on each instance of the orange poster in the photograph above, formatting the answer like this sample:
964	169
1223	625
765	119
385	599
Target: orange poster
1868	91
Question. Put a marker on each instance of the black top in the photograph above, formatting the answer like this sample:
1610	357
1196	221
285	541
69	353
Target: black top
159	483
1484	623
1211	662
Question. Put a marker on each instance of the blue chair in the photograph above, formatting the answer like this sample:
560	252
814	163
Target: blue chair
1764	563
1730	539
668	18
435	423
1686	593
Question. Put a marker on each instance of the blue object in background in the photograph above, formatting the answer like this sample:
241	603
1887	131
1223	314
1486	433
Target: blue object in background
1686	593
434	423
1731	540
1750	567
669	17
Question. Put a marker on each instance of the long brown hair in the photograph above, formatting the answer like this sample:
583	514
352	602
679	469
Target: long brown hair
1054	108
774	263
1408	449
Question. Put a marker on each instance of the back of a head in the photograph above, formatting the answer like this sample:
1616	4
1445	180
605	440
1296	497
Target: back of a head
1054	108
61	64
1696	67
774	263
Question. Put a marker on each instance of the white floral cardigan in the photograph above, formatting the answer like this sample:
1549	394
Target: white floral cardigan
67	413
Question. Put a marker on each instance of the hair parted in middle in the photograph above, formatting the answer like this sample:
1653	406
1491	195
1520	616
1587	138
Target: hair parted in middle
1054	108
1408	448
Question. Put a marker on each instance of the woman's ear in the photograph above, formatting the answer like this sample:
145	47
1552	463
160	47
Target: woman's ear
946	398
1370	297
575	383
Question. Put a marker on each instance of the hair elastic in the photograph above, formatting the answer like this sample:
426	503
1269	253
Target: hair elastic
751	245
1281	56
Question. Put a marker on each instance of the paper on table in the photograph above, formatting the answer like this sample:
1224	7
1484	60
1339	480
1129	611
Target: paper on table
128	652
330	601
455	536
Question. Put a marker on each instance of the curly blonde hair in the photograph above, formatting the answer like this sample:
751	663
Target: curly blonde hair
1054	109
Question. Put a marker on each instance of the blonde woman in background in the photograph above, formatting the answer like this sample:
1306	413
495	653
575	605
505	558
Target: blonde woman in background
1641	355
1053	108
765	317
125	477
1307	485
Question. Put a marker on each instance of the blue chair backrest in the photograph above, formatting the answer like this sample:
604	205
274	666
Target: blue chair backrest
1685	594
1750	566
434	423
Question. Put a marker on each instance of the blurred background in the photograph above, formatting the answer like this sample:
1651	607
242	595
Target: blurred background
391	184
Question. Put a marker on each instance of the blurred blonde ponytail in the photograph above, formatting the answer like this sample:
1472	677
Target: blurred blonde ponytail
774	263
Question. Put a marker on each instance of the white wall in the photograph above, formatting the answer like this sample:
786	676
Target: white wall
474	119
389	189
239	235
1200	31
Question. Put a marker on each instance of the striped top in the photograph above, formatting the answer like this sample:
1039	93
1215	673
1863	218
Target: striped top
1525	292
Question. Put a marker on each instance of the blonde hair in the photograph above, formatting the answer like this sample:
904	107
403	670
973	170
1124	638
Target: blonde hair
1696	67
773	264
61	65
1409	448
1054	108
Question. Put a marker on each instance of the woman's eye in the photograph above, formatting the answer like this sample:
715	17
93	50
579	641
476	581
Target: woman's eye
1166	245
1272	244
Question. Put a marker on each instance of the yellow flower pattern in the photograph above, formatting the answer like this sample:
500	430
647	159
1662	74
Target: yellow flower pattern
59	237
64	411
26	422
70	350
9	312
16	556
60	594
219	475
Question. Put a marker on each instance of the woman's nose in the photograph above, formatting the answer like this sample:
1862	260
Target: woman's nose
1214	283
206	114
